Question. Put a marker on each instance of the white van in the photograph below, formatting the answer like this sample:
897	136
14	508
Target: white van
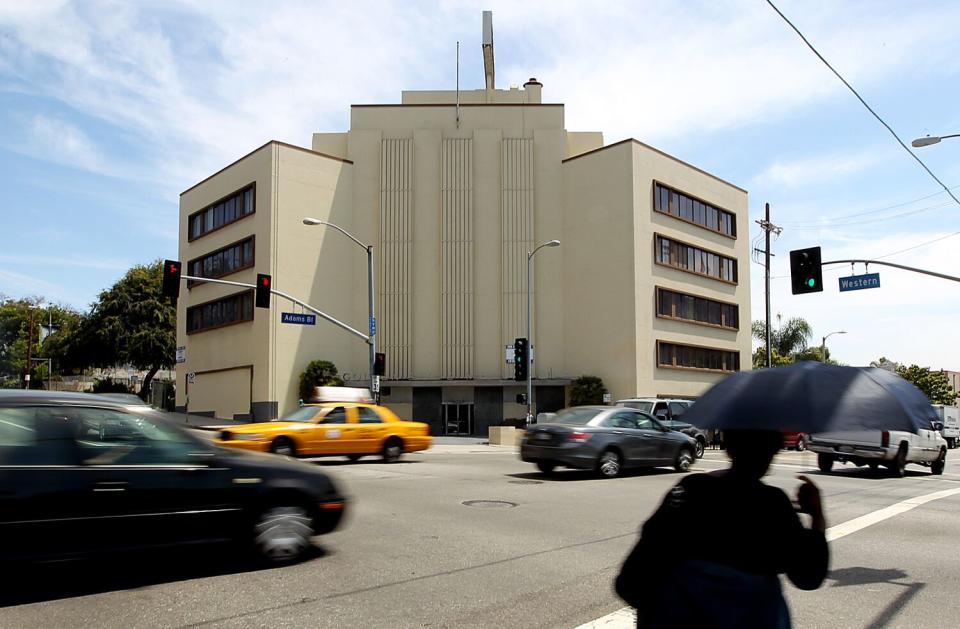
950	418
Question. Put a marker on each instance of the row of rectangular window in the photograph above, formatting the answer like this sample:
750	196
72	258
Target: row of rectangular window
230	259
669	201
221	213
695	260
693	357
234	308
676	305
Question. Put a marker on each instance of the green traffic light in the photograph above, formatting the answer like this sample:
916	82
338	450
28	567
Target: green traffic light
811	282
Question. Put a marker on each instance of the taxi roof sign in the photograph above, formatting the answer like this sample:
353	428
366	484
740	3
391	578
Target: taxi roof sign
341	394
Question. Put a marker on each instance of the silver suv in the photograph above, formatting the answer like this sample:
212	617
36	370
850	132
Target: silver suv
669	412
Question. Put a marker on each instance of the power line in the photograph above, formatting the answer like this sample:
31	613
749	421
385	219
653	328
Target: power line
814	226
877	211
870	109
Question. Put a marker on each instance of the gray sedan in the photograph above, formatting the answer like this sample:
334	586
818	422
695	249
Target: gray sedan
605	439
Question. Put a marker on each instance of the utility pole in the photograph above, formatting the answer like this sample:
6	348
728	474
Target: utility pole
768	227
29	348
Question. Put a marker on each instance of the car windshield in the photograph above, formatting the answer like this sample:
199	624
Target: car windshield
575	416
300	414
646	407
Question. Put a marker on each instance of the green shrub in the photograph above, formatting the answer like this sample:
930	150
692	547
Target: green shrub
107	385
319	373
587	390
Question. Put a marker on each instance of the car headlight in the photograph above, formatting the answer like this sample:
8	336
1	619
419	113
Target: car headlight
248	437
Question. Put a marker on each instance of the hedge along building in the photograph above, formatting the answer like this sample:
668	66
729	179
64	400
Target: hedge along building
452	189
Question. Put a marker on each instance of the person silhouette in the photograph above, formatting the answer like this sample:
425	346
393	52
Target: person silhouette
749	533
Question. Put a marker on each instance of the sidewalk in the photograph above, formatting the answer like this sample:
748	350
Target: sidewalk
199	422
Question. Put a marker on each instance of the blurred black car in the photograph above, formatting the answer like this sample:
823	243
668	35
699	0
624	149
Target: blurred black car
606	439
81	474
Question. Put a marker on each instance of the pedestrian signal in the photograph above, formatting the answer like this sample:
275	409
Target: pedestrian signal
171	279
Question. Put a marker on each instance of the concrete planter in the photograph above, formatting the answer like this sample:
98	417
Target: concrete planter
505	436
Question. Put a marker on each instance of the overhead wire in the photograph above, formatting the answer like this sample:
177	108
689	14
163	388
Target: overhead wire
860	98
884	123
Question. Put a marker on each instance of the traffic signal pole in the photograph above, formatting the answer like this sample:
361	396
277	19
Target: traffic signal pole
372	339
278	293
942	276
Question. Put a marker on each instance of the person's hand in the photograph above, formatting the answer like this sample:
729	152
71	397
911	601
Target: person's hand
808	501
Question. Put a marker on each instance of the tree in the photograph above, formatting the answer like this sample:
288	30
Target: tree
885	363
786	342
587	390
319	373
131	324
934	384
21	337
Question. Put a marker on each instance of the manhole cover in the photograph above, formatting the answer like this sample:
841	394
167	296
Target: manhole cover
526	482
489	504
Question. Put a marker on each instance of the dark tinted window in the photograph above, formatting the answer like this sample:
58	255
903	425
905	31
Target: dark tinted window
678	409
369	416
678	204
36	436
644	422
108	437
335	416
224	212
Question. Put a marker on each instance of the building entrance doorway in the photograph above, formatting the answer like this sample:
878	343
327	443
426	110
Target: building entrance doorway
458	418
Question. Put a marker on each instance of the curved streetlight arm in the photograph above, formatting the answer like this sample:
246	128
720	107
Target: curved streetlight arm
317	221
549	243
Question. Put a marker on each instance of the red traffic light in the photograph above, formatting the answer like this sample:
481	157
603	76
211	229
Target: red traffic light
262	297
170	287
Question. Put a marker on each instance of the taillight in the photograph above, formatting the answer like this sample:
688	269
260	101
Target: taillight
579	436
885	439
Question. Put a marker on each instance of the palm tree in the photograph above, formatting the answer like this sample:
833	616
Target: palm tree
786	341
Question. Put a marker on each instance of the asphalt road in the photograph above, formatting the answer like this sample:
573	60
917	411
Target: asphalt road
412	554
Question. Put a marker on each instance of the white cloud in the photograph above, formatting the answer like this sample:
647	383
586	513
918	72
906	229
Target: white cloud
60	142
200	84
821	168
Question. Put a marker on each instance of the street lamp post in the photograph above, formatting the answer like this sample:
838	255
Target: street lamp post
932	139
530	254
823	344
372	341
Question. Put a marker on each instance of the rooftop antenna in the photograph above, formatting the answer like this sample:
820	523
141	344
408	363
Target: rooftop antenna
458	84
488	48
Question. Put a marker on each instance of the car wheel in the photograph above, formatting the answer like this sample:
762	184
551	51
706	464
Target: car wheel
700	447
609	464
939	464
899	465
801	445
825	463
684	460
283	446
282	534
354	457
392	450
873	465
546	467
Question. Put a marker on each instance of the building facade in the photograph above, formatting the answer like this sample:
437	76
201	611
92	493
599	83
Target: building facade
649	289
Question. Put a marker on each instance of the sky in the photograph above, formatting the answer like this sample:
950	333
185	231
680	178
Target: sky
108	110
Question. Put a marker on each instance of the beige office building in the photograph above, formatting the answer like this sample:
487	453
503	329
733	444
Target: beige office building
649	289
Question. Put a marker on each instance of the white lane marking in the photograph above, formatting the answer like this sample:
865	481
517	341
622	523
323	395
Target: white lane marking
625	618
856	524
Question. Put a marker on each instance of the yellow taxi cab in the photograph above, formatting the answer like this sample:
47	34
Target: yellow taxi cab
332	428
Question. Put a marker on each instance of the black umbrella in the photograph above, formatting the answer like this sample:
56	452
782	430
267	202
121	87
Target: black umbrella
813	397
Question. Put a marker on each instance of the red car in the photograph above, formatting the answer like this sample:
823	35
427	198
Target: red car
796	440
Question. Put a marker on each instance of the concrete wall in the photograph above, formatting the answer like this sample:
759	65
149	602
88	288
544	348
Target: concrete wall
600	319
242	345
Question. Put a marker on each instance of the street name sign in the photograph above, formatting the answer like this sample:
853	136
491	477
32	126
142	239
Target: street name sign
859	282
298	318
